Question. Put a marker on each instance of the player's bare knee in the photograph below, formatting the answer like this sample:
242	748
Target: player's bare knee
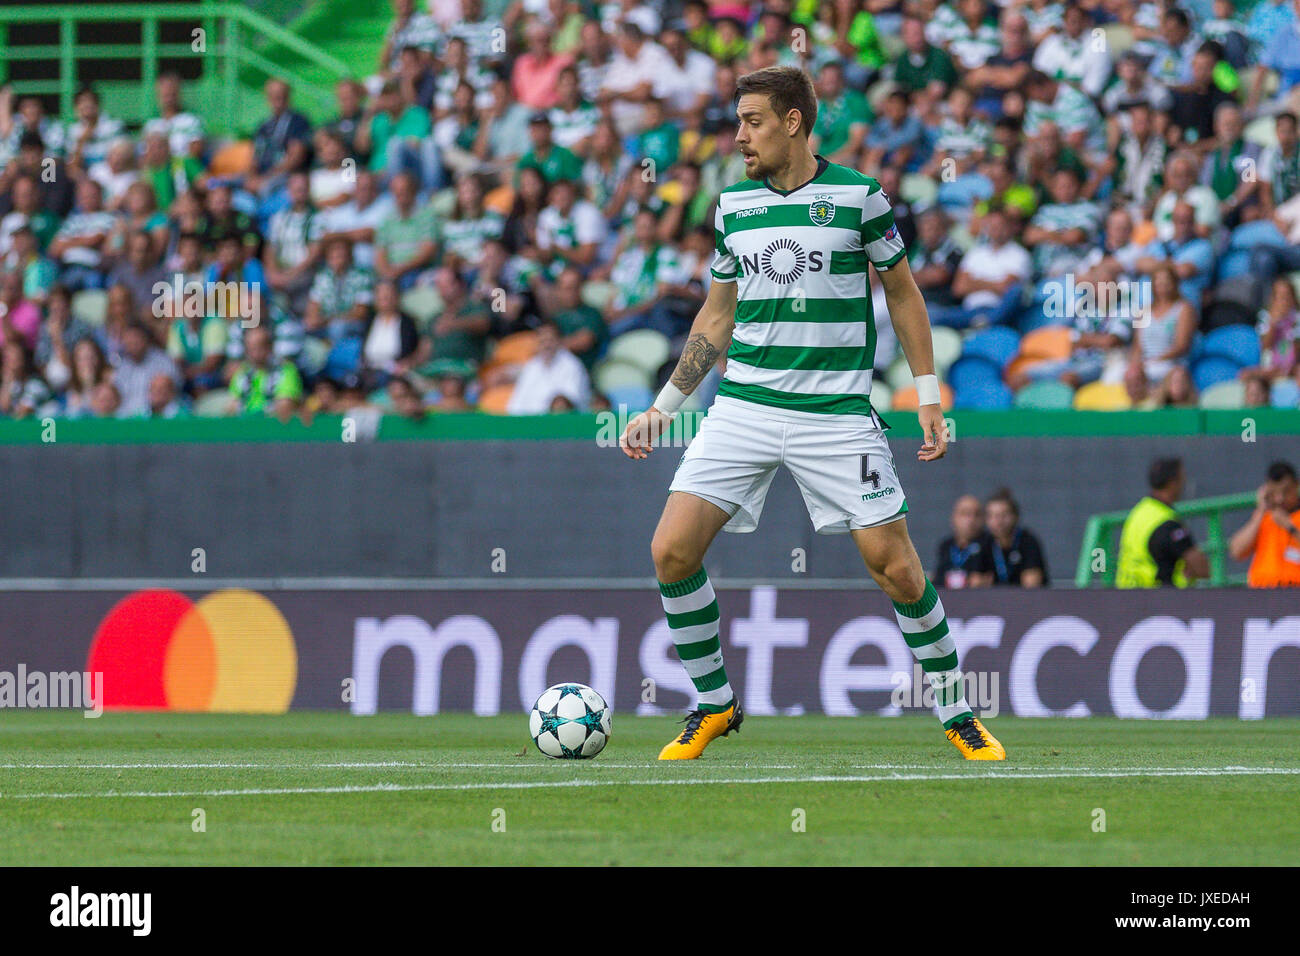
673	558
906	580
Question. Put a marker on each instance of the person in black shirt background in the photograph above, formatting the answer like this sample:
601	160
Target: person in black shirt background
1016	556
965	556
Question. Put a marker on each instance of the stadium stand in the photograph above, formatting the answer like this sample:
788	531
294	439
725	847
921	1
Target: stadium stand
300	158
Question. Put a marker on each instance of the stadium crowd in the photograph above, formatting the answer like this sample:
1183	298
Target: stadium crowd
513	210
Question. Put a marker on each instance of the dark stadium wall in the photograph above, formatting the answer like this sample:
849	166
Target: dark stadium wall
517	509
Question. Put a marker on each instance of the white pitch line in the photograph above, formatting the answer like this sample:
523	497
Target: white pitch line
561	784
1010	765
524	763
529	762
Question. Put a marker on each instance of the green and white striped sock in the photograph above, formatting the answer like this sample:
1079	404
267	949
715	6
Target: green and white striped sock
692	611
925	628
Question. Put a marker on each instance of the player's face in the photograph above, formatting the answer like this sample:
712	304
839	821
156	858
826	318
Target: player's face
761	136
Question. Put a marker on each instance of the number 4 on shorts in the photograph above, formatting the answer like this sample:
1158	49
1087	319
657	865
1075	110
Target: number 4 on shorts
870	474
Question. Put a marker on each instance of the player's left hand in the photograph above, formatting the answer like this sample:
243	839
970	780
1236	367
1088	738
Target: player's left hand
935	431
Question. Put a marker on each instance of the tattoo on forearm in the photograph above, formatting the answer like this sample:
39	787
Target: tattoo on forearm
697	358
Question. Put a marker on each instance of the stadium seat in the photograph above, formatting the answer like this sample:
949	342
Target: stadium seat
1212	370
947	348
1102	397
1285	394
344	357
612	375
500	200
899	374
644	348
1144	233
1017	366
1261	232
1045	396
919	190
91	306
1235	260
962	237
999	345
1233	302
1235	263
1048	342
1262	131
694	401
1033	317
514	349
973	371
423	304
904	399
1237	343
598	295
214	404
633	398
984	395
443	202
233	160
315	353
495	399
1119	38
1229	394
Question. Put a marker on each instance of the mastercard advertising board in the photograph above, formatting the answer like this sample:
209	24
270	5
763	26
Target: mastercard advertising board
230	651
1160	655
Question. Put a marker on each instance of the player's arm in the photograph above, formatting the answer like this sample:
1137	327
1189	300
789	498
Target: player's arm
708	340
912	324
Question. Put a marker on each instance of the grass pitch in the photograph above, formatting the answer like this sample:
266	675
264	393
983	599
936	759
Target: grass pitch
332	789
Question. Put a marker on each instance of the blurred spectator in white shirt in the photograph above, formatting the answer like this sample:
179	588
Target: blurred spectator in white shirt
552	373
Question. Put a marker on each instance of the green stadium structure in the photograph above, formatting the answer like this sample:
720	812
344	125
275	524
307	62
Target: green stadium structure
225	51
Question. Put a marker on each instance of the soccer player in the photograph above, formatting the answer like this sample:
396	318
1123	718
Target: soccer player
791	308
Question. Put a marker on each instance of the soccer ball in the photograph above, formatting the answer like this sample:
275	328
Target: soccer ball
570	722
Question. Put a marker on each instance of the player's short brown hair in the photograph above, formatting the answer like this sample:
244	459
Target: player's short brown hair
787	88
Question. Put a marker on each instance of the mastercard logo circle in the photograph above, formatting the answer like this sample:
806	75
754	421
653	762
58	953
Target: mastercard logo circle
229	652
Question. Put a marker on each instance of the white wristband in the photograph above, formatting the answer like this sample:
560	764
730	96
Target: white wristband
927	389
670	399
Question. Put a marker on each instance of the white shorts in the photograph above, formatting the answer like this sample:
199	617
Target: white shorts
843	468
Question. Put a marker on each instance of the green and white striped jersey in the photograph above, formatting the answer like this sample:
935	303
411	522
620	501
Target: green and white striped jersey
805	334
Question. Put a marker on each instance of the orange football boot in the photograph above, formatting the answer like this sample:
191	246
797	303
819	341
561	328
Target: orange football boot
701	728
974	742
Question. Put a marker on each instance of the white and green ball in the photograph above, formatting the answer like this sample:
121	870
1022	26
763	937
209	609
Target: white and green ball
570	722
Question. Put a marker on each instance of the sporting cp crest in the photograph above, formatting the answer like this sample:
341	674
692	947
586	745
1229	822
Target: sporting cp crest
822	210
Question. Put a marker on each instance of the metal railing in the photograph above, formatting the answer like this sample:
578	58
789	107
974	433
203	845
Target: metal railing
223	37
1102	530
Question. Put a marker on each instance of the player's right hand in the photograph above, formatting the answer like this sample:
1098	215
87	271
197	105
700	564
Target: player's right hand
638	438
935	432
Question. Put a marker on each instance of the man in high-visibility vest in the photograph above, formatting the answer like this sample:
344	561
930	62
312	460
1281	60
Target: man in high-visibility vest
1155	548
1271	538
